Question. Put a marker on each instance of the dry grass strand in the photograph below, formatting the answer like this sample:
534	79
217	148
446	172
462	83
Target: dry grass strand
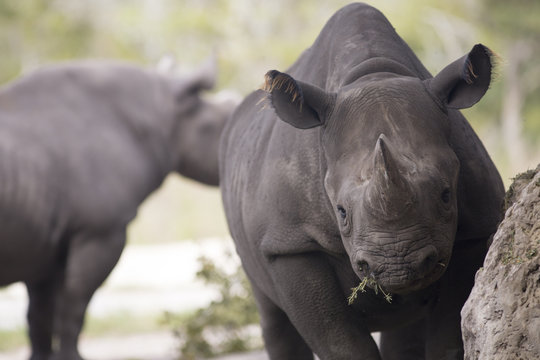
369	282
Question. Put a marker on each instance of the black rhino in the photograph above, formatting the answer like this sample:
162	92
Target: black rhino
81	146
361	170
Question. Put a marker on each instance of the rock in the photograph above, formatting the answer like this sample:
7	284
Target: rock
501	318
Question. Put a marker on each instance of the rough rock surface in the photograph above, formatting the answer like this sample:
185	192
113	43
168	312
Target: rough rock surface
501	318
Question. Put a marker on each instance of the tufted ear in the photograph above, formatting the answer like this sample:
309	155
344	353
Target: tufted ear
302	105
463	83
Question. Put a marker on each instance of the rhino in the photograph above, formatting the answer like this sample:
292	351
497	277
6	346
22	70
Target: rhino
82	144
355	167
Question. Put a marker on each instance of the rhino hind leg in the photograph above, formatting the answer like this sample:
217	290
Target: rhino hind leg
281	338
89	261
404	343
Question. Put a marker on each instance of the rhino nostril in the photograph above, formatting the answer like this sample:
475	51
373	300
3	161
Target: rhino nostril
428	263
363	266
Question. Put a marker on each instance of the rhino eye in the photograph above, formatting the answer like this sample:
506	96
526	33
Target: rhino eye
341	211
445	196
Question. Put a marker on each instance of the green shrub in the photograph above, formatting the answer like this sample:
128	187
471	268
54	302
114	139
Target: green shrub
228	324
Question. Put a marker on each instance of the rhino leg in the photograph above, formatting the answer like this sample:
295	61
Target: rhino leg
404	343
41	308
90	260
281	338
444	339
311	296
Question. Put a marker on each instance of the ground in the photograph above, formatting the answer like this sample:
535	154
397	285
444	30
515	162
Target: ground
148	280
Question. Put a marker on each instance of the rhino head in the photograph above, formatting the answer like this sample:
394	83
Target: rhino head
198	121
391	174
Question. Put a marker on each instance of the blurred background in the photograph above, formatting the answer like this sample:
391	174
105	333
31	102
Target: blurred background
184	220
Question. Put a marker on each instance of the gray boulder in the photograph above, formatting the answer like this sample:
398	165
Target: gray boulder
501	318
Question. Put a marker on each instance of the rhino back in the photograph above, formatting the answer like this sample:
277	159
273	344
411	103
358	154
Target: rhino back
77	124
354	34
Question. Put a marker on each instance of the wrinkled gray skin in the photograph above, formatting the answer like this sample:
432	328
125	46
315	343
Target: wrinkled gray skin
81	146
360	166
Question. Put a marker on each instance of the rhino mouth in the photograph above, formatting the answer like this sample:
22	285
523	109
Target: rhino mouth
405	281
401	277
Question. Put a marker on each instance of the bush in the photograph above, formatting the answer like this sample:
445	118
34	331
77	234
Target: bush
229	324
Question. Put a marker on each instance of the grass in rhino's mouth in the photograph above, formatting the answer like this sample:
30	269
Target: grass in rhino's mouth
369	282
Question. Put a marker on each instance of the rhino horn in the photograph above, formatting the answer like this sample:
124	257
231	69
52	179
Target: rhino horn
384	164
388	190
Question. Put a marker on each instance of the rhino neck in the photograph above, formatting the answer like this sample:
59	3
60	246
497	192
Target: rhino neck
148	117
198	145
382	67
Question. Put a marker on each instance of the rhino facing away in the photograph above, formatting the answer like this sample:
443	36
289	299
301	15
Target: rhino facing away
361	168
81	145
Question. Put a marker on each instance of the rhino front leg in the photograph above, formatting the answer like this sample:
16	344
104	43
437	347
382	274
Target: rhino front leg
281	338
310	295
90	260
444	339
40	315
405	343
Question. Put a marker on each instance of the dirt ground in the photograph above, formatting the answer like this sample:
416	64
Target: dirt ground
150	346
148	280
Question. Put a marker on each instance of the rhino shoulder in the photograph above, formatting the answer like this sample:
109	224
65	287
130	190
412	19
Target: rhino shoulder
480	187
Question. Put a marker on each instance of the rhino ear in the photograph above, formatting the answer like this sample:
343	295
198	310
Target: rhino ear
302	105
202	78
463	83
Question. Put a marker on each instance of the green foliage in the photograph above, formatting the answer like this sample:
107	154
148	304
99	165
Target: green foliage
34	31
13	338
224	325
180	210
254	36
122	323
511	19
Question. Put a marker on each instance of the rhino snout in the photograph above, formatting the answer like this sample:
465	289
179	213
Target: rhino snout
401	274
363	268
428	258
